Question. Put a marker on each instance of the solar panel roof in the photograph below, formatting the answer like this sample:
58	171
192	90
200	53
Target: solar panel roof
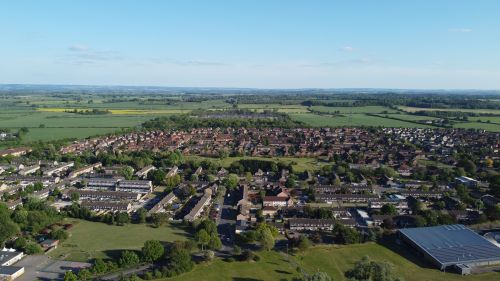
451	244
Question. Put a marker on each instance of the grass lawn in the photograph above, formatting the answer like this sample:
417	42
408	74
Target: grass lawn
335	260
99	240
272	266
301	164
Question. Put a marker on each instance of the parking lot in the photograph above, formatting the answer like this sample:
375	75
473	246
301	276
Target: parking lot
44	268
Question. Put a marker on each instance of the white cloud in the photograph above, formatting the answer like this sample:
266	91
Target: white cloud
460	30
347	49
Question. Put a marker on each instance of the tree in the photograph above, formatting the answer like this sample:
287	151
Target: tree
59	234
122	218
84	274
209	255
32	248
159	219
75	196
70	276
8	227
141	215
290	183
318	276
267	240
179	261
99	266
215	243
388	209
202	237
367	270
346	235
152	250
126	172
303	243
231	181
128	258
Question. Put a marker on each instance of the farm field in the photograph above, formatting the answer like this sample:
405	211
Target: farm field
334	260
414	109
476	125
99	240
360	109
351	120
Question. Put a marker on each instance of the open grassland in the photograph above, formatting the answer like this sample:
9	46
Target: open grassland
299	164
99	240
335	260
272	266
357	120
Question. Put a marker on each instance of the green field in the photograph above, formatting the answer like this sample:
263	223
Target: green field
99	240
299	164
334	260
356	119
414	109
476	125
359	109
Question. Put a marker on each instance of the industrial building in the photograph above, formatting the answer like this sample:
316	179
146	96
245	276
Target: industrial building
451	247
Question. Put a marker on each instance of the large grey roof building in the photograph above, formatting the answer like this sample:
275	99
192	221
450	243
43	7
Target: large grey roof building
451	245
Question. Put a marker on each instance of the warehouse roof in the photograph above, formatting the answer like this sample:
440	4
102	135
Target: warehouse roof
452	244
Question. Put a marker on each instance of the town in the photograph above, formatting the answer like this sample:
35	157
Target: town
376	184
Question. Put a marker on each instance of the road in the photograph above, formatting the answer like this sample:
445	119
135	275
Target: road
226	220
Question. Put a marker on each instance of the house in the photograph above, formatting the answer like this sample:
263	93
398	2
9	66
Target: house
276	201
144	171
137	186
58	169
103	195
269	211
49	244
101	184
352	198
29	170
106	206
490	200
468	182
8	257
301	224
198	208
14	152
84	170
169	199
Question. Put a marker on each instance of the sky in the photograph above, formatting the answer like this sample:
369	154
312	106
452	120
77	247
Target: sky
418	44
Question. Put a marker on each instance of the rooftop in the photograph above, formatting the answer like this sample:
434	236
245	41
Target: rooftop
452	244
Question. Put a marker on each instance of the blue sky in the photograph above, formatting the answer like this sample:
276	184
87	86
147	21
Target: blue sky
451	44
